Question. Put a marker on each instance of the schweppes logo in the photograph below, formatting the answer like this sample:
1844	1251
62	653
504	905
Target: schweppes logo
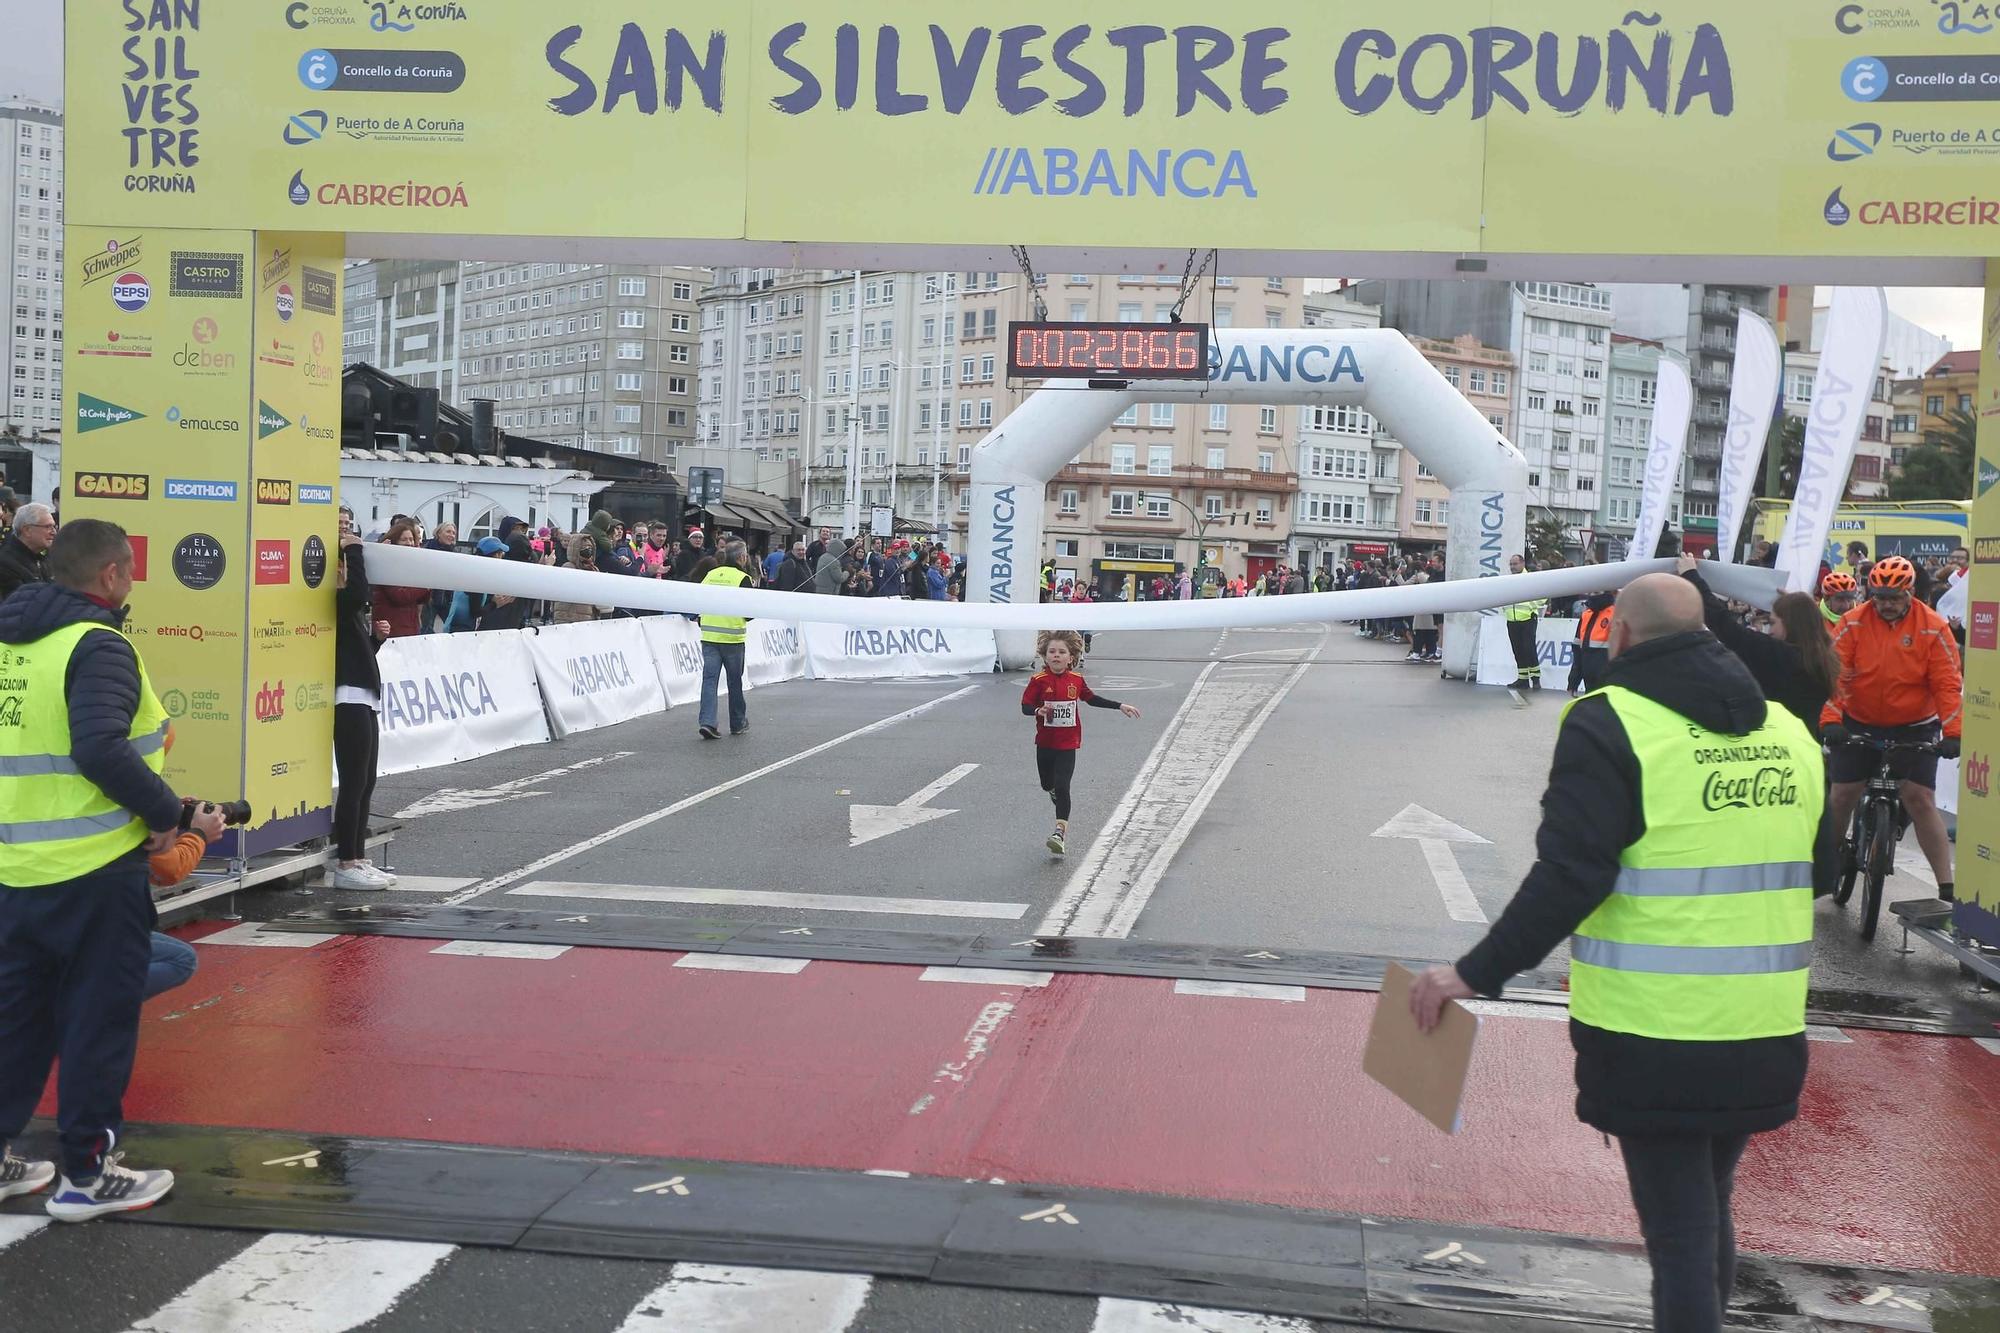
113	485
274	491
270	420
1986	550
97	413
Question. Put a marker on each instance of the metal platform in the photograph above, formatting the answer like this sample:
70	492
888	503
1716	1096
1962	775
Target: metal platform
222	879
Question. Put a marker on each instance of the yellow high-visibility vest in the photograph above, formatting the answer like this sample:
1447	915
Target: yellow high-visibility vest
724	629
1708	931
56	824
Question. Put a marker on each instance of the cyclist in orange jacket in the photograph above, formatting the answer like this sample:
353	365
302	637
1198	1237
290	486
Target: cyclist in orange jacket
1899	681
1838	594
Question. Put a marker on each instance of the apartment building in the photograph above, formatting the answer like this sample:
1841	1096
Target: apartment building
402	317
1486	377
1635	383
31	222
600	356
1950	385
1868	478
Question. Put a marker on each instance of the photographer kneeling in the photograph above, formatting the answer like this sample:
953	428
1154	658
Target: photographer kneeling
172	962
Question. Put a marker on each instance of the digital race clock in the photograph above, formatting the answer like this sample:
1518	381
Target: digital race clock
1043	349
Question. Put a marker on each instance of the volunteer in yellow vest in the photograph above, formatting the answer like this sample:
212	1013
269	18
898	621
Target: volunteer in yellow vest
1522	618
82	742
722	643
1675	855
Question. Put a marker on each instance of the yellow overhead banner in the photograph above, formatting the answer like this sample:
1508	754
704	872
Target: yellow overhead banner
1785	127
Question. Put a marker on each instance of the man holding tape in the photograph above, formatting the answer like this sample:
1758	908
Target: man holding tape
722	639
1675	852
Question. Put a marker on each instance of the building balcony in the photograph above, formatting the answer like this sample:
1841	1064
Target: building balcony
1716	307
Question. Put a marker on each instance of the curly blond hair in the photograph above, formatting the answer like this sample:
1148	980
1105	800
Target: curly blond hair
1068	636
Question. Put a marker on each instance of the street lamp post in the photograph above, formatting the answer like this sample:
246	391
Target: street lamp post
1200	524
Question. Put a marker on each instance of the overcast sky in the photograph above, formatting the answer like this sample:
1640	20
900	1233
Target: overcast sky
31	64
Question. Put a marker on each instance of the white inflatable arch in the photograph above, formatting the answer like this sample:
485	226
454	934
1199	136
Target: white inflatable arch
1375	369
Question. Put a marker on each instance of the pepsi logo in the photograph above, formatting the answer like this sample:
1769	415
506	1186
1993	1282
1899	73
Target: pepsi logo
130	292
285	305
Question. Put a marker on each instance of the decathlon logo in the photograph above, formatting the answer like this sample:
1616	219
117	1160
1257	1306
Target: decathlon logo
892	642
597	673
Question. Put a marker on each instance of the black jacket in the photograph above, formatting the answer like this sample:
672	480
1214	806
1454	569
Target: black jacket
515	613
19	565
794	575
354	628
102	689
1777	666
1591	812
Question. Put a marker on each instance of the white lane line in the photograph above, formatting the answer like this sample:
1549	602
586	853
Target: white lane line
1119	1316
447	799
742	962
430	883
1241	990
815	902
15	1229
1823	1032
252	933
301	1284
1991	1045
1459	904
715	1298
1552	1013
687	803
986	976
500	949
1196	751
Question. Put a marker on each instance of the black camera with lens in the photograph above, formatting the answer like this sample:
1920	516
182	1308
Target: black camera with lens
233	812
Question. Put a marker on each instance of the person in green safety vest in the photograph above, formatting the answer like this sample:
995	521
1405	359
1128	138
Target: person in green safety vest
722	645
1675	854
82	742
1522	619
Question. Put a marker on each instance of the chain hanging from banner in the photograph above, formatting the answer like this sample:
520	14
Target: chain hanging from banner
1034	283
1190	279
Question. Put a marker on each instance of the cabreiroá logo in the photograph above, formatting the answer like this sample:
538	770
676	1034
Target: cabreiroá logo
1835	212
298	191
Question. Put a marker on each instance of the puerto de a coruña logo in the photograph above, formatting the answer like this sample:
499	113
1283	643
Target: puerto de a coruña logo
304	128
298	191
130	292
1835	212
1854	142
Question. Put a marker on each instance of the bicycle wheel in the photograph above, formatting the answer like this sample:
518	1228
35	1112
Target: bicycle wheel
1881	859
1851	848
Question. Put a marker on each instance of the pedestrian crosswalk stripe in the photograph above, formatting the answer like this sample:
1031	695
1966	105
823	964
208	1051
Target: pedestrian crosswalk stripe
1118	1316
14	1229
301	1284
722	1299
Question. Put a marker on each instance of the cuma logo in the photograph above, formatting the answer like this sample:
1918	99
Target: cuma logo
304	128
1978	773
96	413
1854	142
270	420
298	191
1835	212
130	292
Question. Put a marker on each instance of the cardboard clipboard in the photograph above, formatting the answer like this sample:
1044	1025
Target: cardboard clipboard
1427	1070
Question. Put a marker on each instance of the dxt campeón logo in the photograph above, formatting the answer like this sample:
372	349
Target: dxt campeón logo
97	413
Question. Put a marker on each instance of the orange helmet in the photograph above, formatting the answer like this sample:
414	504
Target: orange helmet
1893	572
1837	582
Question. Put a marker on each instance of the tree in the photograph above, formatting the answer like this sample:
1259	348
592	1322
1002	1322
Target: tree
1941	467
1547	538
1784	446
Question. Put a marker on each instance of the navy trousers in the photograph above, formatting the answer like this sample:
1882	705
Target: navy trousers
73	961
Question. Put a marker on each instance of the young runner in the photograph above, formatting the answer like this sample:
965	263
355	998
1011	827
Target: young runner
1051	699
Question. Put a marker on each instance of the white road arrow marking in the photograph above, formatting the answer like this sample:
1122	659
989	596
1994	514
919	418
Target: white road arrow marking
868	822
1455	1253
447	799
1886	1296
1434	835
672	1185
797	930
305	1159
1053	1213
1262	953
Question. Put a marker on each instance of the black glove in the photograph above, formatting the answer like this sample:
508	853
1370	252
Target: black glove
1948	748
1834	735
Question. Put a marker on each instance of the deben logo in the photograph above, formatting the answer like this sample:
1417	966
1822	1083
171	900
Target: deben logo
1854	142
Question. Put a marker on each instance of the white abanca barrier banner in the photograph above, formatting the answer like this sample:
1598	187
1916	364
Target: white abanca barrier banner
774	651
1374	369
1555	648
447	698
595	673
842	652
675	643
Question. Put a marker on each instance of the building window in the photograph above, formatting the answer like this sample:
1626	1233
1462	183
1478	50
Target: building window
1263	511
1124	459
1218	416
965	458
1218	457
1538	402
1211	506
631	286
1452	376
1266	460
1499	381
677	353
1160	460
1267	421
1157	506
1066	501
626	414
1129	417
631	351
683	291
631	319
1423	511
1128	312
627	381
1477	382
1933	405
985	411
1162	414
1123	504
965	412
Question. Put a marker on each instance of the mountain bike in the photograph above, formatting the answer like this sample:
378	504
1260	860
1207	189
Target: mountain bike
1868	851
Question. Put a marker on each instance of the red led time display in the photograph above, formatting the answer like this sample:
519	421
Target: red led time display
1070	350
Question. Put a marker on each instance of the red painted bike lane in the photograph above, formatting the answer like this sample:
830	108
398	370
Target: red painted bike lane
1086	1081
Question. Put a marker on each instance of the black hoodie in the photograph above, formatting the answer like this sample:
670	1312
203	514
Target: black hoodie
102	690
1591	812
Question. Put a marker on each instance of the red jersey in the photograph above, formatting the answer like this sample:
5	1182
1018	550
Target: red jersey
1067	694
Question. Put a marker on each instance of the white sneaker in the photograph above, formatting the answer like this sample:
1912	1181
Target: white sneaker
21	1175
360	875
115	1190
388	876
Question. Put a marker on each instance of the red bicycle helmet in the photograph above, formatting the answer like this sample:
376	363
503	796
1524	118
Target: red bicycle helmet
1893	572
1837	582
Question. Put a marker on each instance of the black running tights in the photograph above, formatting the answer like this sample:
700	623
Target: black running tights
1056	768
